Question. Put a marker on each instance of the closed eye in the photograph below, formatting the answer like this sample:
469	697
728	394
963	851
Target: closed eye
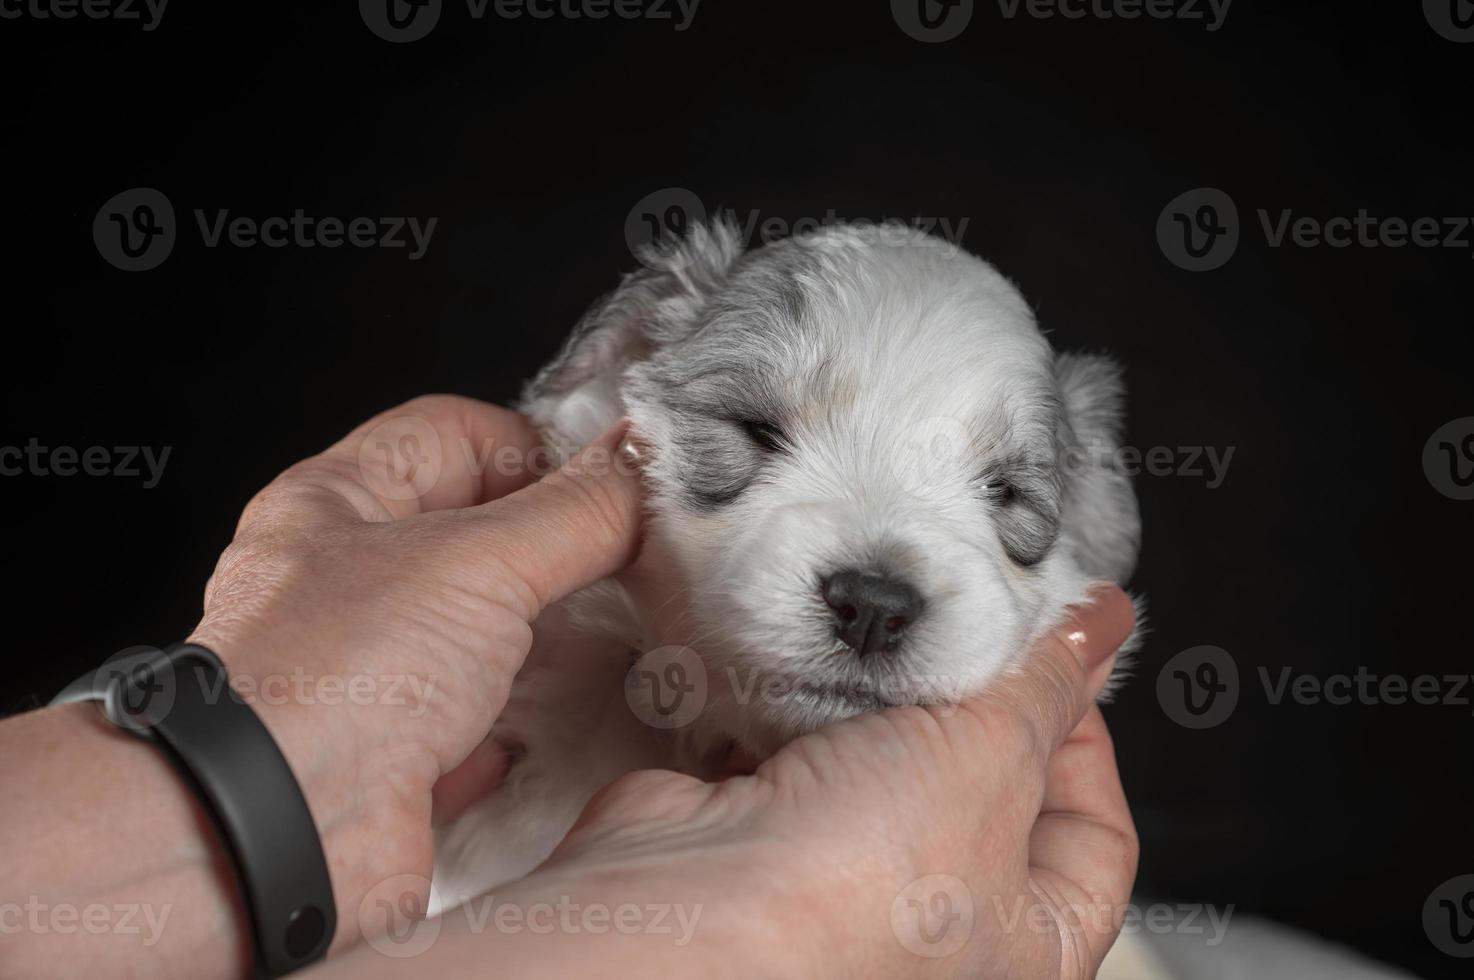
765	434
1027	512
1000	492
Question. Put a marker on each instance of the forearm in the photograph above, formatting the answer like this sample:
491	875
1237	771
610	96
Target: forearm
112	864
110	860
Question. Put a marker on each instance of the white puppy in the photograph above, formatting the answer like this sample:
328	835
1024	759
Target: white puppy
870	482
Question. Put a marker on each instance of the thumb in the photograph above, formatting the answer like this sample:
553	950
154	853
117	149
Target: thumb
1058	681
570	529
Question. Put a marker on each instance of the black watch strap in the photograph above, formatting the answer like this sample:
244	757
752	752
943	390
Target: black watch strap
181	700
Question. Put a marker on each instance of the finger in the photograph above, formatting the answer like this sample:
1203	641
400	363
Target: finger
440	452
564	532
479	774
436	452
1084	846
1056	683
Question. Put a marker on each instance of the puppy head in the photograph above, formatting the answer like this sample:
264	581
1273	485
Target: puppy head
871	481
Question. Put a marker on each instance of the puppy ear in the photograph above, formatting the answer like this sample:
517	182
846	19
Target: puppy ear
577	396
1101	526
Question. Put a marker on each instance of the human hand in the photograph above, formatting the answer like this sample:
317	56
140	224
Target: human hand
1002	822
377	600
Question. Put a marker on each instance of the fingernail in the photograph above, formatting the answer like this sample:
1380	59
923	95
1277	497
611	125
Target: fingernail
1098	628
632	451
630	454
606	454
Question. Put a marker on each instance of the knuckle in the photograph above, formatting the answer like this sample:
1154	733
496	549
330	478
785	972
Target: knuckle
322	484
272	552
265	505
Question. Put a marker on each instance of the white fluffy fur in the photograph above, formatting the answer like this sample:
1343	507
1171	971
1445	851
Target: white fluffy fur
910	380
869	344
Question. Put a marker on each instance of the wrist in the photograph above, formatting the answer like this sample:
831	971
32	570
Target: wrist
369	798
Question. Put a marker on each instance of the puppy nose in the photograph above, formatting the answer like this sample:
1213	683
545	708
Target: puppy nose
870	611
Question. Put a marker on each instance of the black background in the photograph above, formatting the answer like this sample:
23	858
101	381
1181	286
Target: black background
1059	141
